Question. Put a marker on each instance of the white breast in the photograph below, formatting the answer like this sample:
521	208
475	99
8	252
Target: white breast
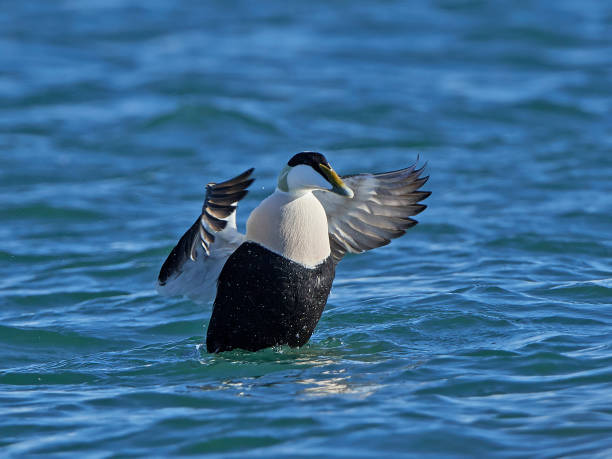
292	226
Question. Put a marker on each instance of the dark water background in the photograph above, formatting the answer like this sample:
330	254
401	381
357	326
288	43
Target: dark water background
486	331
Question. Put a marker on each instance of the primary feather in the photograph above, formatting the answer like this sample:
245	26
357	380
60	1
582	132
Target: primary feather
193	266
379	211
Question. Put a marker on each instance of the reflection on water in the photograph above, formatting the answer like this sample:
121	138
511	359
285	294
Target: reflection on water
331	384
289	367
326	383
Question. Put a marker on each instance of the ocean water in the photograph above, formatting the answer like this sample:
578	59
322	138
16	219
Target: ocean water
486	331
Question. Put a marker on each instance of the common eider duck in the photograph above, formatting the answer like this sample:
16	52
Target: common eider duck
270	285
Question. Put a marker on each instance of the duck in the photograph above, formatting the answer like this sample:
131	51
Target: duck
270	285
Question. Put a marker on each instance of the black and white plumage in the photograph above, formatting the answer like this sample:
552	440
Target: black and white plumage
379	211
193	266
271	285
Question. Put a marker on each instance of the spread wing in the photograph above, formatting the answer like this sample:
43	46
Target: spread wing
379	211
193	266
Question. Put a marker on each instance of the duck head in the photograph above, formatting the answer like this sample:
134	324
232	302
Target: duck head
309	171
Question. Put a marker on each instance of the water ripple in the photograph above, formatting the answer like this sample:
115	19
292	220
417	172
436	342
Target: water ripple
485	331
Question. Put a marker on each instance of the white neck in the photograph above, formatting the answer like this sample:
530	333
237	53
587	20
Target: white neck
293	225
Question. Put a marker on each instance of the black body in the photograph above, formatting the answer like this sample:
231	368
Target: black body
264	299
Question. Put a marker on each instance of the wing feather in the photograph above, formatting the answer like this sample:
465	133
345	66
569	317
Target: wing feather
380	210
194	263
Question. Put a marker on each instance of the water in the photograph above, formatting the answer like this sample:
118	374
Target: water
485	331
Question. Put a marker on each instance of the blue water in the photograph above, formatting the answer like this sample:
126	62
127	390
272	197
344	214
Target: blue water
485	331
